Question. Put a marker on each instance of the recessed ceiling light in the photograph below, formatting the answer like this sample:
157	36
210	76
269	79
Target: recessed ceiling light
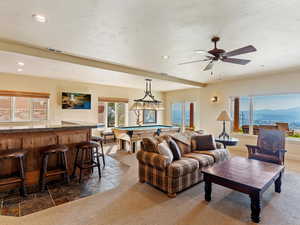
39	18
21	64
20	70
165	57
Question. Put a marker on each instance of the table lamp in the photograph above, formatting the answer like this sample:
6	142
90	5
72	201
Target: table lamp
223	117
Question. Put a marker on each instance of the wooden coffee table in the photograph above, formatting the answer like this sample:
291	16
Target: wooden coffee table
248	176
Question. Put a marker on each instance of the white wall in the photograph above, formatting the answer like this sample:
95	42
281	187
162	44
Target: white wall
207	112
55	87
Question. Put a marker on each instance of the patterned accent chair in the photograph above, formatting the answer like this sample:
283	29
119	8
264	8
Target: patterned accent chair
173	177
270	147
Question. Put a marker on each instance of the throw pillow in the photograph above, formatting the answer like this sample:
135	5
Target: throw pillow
203	142
150	144
165	150
175	150
162	138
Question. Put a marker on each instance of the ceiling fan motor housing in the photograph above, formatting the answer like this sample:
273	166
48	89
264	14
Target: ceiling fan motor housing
216	51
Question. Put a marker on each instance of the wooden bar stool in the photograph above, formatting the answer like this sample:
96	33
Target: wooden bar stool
18	154
100	141
86	151
61	150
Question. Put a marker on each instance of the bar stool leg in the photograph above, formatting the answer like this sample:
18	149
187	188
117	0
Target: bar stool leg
83	158
22	175
103	157
65	164
98	164
75	163
44	171
91	151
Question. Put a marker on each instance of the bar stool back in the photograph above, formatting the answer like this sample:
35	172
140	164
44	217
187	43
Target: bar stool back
61	150
84	158
18	154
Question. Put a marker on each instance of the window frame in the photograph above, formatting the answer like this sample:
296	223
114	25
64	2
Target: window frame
183	113
13	111
116	113
251	108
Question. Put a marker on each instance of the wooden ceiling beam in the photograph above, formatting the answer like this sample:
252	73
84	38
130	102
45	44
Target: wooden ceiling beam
32	50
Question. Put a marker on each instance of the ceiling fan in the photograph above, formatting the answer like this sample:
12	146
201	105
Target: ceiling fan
219	54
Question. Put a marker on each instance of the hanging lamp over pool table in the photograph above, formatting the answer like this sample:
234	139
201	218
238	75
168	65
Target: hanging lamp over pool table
148	101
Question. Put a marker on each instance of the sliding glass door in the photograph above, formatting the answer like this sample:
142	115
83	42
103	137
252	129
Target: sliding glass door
113	114
182	114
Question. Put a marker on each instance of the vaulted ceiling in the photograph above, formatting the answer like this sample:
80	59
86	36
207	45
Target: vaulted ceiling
139	33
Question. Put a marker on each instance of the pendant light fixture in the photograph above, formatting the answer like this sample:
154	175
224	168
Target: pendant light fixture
148	101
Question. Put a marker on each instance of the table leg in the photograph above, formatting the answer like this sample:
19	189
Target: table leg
278	183
207	187
133	146
255	206
121	144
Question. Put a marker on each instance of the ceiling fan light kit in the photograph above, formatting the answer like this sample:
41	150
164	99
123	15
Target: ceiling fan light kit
217	54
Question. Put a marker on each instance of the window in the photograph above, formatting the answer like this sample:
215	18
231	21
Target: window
269	111
182	114
21	108
113	114
244	115
39	107
18	109
121	114
176	111
5	108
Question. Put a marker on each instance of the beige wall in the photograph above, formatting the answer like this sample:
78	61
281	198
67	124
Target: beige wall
207	112
55	87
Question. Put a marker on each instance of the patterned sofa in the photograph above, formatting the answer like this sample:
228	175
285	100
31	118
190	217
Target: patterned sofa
173	177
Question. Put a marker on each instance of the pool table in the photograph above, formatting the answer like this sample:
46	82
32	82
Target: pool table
133	134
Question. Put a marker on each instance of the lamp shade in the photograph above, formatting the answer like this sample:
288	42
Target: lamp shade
224	116
136	106
142	106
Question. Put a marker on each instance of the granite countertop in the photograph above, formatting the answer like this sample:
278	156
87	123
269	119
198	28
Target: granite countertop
48	126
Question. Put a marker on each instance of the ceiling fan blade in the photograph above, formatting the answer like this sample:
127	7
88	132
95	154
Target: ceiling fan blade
209	65
195	61
236	61
240	51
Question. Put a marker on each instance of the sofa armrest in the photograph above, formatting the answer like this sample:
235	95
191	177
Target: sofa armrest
153	159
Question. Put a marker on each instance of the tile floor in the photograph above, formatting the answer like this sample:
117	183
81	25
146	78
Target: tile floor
11	204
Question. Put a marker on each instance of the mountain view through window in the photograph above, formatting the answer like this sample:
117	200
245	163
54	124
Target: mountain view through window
272	109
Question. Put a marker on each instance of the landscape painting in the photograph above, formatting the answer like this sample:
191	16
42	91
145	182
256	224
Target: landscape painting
149	116
76	101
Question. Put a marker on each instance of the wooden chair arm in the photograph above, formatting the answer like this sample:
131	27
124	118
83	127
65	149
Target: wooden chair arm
252	149
281	153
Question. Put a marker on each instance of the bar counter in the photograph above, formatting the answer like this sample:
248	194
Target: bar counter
33	138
